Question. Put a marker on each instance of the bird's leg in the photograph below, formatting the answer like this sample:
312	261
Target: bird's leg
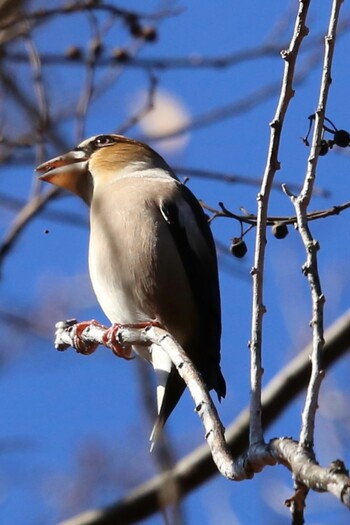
110	338
83	346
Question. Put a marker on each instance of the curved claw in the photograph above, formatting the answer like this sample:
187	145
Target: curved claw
110	340
83	346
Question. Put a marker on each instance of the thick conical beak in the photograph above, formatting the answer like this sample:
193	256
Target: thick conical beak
69	171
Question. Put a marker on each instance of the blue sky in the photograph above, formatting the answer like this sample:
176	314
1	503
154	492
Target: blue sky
75	432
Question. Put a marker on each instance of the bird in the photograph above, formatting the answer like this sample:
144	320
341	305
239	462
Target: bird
152	256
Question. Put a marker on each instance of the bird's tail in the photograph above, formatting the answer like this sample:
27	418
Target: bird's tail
167	398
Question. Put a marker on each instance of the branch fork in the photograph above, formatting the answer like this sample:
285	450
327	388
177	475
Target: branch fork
285	451
92	334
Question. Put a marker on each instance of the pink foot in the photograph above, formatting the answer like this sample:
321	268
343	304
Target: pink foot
110	338
81	346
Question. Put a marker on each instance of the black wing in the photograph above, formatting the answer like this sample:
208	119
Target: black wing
194	241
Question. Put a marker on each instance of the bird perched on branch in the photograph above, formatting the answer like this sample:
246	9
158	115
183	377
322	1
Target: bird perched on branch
152	257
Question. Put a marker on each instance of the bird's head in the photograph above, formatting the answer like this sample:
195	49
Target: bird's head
100	160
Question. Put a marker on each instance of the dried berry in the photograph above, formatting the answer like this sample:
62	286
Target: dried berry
120	54
238	247
280	230
324	147
73	53
149	34
342	138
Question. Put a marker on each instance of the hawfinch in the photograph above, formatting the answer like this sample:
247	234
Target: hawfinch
152	256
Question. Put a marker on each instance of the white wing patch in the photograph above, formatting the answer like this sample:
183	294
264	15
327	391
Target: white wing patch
162	366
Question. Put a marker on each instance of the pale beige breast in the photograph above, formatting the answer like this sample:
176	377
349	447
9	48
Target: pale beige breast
135	269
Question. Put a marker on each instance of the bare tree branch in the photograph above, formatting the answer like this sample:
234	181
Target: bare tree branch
272	219
235	178
30	210
193	61
198	466
310	268
272	165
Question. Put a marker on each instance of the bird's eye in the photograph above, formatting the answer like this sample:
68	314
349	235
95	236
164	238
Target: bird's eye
103	140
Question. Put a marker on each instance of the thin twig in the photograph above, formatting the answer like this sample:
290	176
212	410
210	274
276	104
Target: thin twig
270	49
21	97
63	216
43	108
18	92
88	87
28	212
145	109
39	16
235	178
310	268
272	165
272	219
